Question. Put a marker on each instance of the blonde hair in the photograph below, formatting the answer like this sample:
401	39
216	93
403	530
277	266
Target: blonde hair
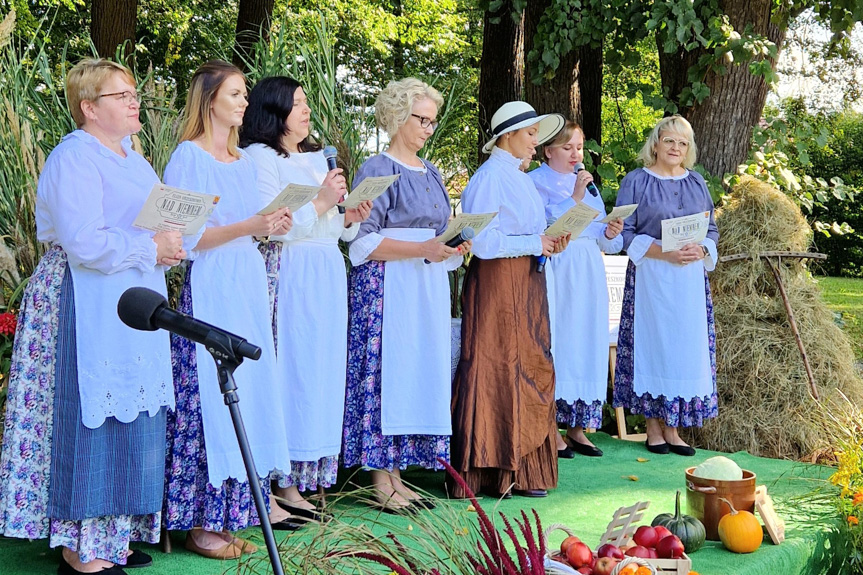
85	80
203	88
561	139
675	124
395	103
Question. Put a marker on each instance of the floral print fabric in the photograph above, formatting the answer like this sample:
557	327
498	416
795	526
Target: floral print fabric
676	412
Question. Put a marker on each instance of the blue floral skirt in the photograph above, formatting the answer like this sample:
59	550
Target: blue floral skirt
25	463
676	412
579	413
190	501
363	442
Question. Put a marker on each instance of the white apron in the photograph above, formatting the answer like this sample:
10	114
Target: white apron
313	345
670	347
579	324
229	290
415	346
121	371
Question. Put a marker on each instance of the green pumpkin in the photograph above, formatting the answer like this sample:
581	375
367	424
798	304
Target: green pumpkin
689	529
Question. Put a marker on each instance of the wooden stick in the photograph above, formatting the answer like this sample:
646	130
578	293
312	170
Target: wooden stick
813	390
800	255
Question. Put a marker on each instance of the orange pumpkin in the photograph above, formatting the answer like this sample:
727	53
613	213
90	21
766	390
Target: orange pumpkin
628	570
740	531
642	570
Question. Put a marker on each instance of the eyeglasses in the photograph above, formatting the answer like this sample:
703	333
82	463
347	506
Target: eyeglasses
426	122
126	97
670	142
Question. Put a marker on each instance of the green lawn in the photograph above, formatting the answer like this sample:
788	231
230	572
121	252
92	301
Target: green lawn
845	296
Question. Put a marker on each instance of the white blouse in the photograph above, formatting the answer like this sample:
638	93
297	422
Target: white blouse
307	168
499	186
556	191
86	200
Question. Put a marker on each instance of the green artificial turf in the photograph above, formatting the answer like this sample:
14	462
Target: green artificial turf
589	491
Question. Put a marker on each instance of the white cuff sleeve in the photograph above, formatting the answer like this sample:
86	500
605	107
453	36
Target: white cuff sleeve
362	248
712	255
638	248
453	262
349	233
517	246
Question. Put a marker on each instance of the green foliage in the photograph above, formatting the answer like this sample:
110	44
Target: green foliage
844	296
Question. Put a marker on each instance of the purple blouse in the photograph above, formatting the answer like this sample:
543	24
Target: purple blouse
418	199
660	198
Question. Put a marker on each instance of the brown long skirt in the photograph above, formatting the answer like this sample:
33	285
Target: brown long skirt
503	405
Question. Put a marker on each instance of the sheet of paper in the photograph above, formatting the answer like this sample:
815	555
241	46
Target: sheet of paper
369	189
294	196
476	221
170	209
573	221
621	212
677	232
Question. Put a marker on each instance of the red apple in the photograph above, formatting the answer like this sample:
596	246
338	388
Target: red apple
604	566
661	533
645	536
585	570
638	551
670	548
609	550
564	545
579	555
653	554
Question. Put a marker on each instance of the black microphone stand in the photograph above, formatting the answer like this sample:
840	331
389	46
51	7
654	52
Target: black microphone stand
227	361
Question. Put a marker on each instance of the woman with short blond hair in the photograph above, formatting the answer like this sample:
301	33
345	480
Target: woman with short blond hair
83	447
666	349
398	389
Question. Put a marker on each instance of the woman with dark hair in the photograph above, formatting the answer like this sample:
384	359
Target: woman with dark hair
83	446
304	265
226	284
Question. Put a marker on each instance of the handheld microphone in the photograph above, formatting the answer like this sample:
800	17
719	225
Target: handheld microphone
590	187
466	234
540	263
330	153
144	309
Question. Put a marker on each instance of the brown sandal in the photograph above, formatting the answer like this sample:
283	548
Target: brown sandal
228	551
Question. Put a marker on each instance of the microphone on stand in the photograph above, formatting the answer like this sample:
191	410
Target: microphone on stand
330	153
466	234
144	309
590	186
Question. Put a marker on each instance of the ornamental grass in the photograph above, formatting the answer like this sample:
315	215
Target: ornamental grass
765	406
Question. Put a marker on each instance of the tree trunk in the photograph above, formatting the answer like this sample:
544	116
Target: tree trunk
112	22
501	68
723	122
590	89
560	94
253	22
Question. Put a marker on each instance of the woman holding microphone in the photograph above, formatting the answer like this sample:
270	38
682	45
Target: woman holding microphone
308	289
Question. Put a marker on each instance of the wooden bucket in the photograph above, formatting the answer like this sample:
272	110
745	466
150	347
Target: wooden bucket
702	499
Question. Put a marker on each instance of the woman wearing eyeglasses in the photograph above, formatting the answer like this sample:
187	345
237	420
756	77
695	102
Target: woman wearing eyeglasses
84	444
666	354
398	389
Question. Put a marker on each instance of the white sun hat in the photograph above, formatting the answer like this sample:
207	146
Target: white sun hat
514	116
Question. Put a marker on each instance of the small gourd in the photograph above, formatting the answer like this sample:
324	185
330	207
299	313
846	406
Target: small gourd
740	531
688	529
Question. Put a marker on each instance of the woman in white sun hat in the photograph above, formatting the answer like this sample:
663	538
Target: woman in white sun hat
503	394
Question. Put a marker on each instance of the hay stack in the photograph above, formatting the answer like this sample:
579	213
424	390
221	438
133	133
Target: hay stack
764	403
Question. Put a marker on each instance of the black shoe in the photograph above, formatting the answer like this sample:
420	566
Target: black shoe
423	503
287	525
138	559
565	453
531	492
661	448
403	510
65	569
301	512
682	449
582	448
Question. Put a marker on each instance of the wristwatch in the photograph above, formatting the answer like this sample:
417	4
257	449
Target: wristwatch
705	251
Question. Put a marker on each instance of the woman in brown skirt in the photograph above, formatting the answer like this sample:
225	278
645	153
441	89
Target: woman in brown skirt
503	394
